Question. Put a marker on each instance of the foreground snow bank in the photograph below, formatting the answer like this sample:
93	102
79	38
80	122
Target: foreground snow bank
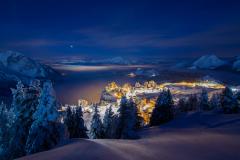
194	136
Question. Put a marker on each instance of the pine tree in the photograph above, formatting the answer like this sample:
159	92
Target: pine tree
25	101
79	127
18	97
96	130
204	102
215	101
69	121
192	102
45	131
3	118
3	130
127	119
139	122
6	123
228	101
21	122
108	123
122	116
182	105
163	111
238	99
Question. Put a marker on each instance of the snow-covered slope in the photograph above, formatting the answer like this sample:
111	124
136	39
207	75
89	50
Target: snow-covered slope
195	136
17	63
208	62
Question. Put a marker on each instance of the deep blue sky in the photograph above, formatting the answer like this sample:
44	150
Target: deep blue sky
43	28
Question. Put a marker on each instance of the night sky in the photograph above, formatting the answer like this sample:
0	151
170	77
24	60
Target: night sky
142	28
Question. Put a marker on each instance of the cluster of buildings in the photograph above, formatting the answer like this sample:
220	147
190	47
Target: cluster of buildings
145	94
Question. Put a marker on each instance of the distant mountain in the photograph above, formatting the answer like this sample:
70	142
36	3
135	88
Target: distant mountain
14	65
90	61
208	62
114	60
236	64
8	77
118	60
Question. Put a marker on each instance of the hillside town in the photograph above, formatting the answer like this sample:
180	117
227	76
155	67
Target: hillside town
145	95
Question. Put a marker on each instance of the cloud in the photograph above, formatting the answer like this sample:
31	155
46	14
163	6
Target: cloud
115	39
36	43
222	36
135	41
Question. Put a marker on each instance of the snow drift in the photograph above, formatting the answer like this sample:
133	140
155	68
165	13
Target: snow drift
195	136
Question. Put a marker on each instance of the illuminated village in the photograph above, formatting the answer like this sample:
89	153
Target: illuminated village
146	94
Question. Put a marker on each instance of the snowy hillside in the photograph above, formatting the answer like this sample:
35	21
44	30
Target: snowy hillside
208	62
20	65
207	136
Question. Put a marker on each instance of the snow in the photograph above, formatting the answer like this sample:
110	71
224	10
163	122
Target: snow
208	62
195	136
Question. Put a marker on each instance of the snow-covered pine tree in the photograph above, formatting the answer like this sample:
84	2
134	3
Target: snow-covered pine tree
122	116
79	127
3	118
238	98
3	130
69	121
136	117
96	129
6	122
192	102
215	101
25	101
136	113
18	97
182	105
203	101
108	123
163	111
45	131
127	119
21	122
228	101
